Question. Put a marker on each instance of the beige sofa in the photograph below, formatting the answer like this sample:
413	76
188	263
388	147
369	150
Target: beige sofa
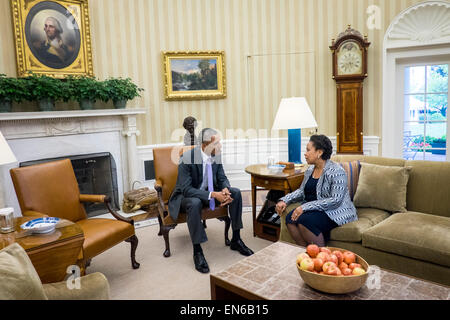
20	281
416	242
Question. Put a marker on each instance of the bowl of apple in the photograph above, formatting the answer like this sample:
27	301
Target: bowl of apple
332	270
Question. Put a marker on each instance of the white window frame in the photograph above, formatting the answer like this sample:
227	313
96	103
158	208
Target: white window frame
393	92
400	76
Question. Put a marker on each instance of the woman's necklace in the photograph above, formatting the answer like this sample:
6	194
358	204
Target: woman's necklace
317	173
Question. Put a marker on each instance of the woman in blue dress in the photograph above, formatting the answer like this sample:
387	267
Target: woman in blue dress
323	198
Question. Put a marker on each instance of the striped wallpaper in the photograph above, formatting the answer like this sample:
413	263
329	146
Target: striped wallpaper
273	49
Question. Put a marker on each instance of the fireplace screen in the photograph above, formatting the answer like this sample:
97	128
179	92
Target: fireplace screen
96	174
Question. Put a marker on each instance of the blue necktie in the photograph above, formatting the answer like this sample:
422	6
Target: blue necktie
212	204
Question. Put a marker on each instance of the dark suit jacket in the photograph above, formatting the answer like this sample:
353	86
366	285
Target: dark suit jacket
190	178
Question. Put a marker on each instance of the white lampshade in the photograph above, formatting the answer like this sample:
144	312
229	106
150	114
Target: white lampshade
6	155
294	113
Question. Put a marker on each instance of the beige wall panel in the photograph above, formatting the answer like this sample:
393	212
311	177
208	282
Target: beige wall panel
129	35
302	84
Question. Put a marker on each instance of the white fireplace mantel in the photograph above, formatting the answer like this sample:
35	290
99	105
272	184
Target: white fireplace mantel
69	114
42	135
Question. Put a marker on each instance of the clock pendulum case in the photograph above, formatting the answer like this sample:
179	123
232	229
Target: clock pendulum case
349	71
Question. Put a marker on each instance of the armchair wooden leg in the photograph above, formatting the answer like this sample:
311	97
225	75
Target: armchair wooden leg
227	221
165	232
227	227
160	226
134	243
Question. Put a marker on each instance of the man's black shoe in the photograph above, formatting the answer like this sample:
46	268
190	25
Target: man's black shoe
200	262
241	247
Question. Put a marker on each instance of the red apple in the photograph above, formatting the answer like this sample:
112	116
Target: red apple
307	264
332	270
339	255
318	264
358	271
324	256
328	264
301	256
339	272
354	265
343	266
324	249
349	257
347	272
312	250
321	272
334	259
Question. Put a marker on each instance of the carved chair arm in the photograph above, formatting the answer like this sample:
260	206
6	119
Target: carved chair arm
92	198
158	185
161	207
115	214
107	201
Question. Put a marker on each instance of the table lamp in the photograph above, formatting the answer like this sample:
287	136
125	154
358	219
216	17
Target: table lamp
6	157
294	114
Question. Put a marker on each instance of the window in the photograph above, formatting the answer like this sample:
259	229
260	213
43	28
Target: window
425	112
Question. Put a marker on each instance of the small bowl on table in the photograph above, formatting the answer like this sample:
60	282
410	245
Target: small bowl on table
42	225
336	284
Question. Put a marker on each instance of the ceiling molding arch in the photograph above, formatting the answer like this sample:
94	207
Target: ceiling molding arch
426	23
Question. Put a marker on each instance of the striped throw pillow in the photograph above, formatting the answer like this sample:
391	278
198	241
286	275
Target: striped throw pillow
352	169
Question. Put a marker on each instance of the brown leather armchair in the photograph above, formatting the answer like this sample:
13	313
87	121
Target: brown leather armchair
165	161
51	189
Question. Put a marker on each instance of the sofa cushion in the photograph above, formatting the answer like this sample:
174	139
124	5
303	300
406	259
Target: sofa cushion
19	279
428	189
382	187
412	234
352	232
352	169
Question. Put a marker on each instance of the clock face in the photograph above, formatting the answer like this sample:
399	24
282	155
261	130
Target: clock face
349	58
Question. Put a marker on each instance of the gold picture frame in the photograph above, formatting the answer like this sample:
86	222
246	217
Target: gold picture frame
52	37
194	75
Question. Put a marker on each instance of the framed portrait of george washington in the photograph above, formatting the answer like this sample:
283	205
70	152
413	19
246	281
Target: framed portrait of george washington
198	75
52	37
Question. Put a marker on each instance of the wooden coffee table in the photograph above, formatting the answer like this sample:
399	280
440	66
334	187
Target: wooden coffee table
272	274
50	253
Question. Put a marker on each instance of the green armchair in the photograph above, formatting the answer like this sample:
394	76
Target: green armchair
20	281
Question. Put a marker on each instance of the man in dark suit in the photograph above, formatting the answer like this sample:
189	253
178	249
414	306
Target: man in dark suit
202	182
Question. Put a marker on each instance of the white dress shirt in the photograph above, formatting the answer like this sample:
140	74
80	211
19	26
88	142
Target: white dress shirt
205	159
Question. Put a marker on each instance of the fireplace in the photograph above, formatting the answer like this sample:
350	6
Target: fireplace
96	174
58	134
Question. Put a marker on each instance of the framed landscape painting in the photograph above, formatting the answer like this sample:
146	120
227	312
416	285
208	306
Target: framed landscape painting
52	37
194	75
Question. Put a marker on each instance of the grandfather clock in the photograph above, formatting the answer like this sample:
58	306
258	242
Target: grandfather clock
349	71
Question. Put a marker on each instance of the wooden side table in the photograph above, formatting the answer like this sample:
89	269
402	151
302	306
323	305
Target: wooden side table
51	253
263	179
